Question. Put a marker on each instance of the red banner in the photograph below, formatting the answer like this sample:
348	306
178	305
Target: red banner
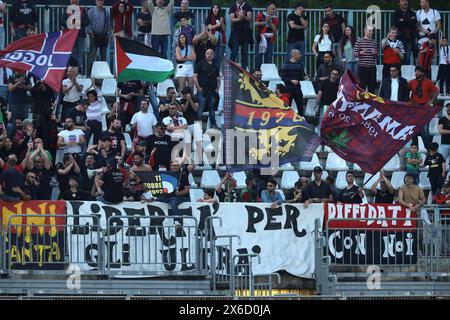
365	129
368	216
54	219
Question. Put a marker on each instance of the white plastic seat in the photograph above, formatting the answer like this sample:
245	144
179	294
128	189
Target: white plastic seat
356	167
192	181
100	70
379	72
423	156
85	82
328	149
311	164
308	90
161	88
393	164
424	182
128	141
59	156
434	126
210	179
109	87
341	181
397	179
310	108
240	178
288	179
408	72
434	72
281	193
335	163
195	194
370	179
324	175
269	72
437	139
273	84
287	166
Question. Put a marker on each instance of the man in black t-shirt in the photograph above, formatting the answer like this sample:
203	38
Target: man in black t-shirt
78	114
23	19
386	192
298	23
117	138
437	170
184	13
444	131
128	93
19	104
352	193
108	186
164	103
317	191
74	193
292	72
405	20
159	147
241	35
144	22
337	26
207	81
327	92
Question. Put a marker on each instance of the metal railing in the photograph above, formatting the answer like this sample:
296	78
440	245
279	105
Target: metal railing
50	19
419	251
40	244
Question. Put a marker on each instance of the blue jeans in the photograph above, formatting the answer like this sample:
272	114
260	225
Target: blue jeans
352	66
299	45
203	98
78	53
153	101
160	43
267	56
174	203
19	110
244	54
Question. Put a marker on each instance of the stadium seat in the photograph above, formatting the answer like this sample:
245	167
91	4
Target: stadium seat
195	194
424	182
308	90
310	108
437	139
161	88
393	164
368	183
341	181
269	72
240	177
192	181
335	163
100	70
324	175
408	72
286	166
59	156
281	193
356	167
288	179
327	149
311	164
86	82
273	84
434	126
434	72
397	179
423	156
128	141
109	87
210	179
379	72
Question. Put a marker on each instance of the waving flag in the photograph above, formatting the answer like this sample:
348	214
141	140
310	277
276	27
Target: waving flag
136	61
260	131
44	56
367	130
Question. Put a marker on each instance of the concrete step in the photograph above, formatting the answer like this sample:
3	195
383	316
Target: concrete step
133	287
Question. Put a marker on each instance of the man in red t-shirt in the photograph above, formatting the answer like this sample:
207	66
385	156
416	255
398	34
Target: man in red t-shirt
443	198
266	26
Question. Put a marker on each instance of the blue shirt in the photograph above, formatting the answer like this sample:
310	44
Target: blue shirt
266	197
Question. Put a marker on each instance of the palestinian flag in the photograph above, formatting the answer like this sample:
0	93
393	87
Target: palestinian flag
136	61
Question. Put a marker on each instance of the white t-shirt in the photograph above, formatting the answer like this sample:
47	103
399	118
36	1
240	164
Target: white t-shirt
145	123
168	121
394	90
73	95
427	20
71	136
325	44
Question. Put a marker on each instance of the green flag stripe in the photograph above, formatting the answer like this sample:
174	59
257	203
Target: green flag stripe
140	74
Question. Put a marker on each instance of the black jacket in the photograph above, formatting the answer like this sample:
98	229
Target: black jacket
403	90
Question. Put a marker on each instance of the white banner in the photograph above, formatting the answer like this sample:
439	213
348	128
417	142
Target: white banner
283	237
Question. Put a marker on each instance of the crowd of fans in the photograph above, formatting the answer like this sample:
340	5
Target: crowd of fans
96	164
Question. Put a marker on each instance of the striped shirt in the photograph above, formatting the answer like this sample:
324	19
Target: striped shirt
368	59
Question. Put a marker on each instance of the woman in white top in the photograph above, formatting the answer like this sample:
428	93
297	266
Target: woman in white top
323	43
185	63
94	117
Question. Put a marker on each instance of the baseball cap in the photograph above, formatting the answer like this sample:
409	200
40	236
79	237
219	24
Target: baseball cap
317	169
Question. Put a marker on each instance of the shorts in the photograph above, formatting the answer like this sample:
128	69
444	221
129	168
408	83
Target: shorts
185	70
